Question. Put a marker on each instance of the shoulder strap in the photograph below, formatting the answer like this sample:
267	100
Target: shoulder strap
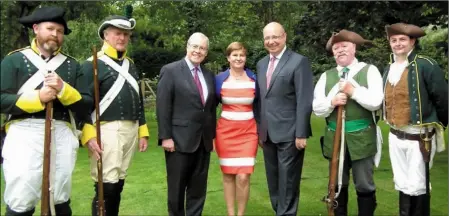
17	50
109	97
42	66
122	70
37	61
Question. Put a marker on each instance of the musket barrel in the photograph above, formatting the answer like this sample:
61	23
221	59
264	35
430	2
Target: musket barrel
100	202
330	200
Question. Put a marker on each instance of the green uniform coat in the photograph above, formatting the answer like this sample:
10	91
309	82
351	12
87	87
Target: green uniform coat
427	90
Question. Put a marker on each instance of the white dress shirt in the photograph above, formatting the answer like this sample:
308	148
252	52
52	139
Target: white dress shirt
278	57
396	70
200	75
369	97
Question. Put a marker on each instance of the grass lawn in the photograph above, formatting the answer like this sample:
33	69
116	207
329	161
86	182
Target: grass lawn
145	191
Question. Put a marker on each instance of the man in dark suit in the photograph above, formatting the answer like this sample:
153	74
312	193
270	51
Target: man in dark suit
186	119
286	95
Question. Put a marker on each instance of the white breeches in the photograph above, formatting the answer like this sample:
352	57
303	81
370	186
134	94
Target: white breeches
23	159
120	140
408	165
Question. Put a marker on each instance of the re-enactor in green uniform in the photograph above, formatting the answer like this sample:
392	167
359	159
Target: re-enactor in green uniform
122	117
415	98
31	77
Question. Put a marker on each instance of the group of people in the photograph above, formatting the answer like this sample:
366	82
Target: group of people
271	110
37	74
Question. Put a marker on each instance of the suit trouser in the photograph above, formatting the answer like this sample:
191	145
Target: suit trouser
23	158
187	178
283	166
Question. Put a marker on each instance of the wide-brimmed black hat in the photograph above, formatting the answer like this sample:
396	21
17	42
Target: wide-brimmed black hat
46	14
345	35
117	21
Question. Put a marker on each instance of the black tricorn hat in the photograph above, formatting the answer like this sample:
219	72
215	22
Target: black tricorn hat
46	14
117	21
345	35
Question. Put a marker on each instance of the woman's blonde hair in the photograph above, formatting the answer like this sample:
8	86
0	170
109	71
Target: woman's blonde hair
235	46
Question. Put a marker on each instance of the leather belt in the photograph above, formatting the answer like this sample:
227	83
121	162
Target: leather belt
403	135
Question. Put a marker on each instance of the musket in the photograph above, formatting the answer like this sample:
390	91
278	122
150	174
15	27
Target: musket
426	148
45	191
330	200
100	202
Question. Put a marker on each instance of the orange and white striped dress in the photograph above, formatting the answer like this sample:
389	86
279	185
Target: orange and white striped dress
236	138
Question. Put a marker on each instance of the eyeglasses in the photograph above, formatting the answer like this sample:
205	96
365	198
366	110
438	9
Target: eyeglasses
273	37
198	47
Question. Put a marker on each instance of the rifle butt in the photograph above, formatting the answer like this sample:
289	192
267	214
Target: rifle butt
100	202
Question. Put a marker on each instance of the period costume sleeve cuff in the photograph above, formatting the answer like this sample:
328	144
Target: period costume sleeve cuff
68	95
30	102
143	131
89	132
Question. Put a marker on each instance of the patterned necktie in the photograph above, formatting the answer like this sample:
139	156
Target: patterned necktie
198	83
344	74
270	70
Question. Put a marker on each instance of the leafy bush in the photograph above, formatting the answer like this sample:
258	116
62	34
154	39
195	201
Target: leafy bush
434	45
151	60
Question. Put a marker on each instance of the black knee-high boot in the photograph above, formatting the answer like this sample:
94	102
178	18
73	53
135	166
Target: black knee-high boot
404	204
109	195
342	208
420	205
120	185
63	209
10	212
366	203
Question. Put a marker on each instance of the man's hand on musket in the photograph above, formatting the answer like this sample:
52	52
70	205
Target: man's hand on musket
53	80
168	145
47	94
346	87
300	143
94	148
143	144
339	99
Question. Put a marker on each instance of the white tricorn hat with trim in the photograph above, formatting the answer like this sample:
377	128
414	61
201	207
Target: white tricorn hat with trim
117	21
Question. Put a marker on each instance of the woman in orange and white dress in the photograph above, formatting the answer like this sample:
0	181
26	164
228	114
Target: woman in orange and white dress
236	138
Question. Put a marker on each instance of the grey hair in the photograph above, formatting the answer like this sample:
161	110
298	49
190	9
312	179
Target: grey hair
198	35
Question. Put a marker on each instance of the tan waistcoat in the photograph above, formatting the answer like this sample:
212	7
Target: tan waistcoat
397	102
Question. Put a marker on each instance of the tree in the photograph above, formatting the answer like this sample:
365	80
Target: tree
366	18
14	35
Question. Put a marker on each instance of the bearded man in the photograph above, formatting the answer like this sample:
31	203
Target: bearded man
31	77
